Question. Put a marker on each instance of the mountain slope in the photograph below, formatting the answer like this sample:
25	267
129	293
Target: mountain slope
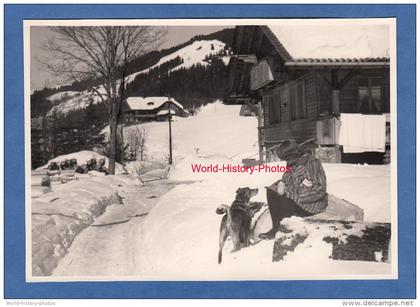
197	52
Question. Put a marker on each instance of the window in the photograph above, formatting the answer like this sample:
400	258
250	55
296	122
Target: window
298	100
273	109
371	96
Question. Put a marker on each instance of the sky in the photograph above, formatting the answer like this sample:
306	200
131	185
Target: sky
39	34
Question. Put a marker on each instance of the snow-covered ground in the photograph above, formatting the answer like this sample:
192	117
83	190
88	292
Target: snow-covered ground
59	216
178	239
217	133
181	232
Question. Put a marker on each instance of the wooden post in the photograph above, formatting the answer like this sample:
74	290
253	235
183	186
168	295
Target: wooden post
335	92
336	102
259	111
170	130
260	133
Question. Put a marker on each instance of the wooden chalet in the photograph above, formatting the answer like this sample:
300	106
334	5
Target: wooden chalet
306	78
143	109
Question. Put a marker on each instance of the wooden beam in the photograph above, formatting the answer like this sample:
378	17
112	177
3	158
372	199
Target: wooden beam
231	79
334	78
251	38
259	40
239	40
346	79
325	79
243	73
335	92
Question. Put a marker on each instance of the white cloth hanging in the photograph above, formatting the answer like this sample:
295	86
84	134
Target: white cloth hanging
360	132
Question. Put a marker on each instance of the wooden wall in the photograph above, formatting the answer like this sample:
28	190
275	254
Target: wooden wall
301	129
318	95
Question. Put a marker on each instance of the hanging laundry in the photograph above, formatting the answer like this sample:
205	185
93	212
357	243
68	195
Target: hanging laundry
361	133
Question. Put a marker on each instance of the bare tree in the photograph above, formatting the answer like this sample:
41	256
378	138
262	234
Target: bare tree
135	138
101	54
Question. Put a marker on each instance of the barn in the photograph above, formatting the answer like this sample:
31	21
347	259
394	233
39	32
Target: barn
324	85
144	109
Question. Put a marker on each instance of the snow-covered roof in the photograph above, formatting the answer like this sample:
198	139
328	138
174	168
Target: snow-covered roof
150	103
333	41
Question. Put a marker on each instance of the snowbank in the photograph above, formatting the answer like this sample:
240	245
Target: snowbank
82	157
183	228
57	217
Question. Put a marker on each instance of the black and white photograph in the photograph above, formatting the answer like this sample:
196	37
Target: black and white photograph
210	149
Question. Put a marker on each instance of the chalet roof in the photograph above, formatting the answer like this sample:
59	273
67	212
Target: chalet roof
331	42
149	103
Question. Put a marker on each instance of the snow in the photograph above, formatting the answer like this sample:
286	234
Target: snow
178	239
149	103
57	97
181	231
332	40
82	157
183	228
212	135
57	218
78	101
192	54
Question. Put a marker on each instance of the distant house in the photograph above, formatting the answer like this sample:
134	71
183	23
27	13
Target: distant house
313	81
143	109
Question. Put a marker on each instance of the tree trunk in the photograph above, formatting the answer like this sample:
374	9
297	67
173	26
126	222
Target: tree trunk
113	124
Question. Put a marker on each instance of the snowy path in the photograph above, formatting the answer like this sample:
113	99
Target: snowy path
108	249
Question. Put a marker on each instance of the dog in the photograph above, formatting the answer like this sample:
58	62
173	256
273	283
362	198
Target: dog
237	218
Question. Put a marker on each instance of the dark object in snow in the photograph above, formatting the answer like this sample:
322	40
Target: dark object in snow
350	240
236	221
91	164
100	166
82	169
40	180
73	163
63	165
281	249
53	166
